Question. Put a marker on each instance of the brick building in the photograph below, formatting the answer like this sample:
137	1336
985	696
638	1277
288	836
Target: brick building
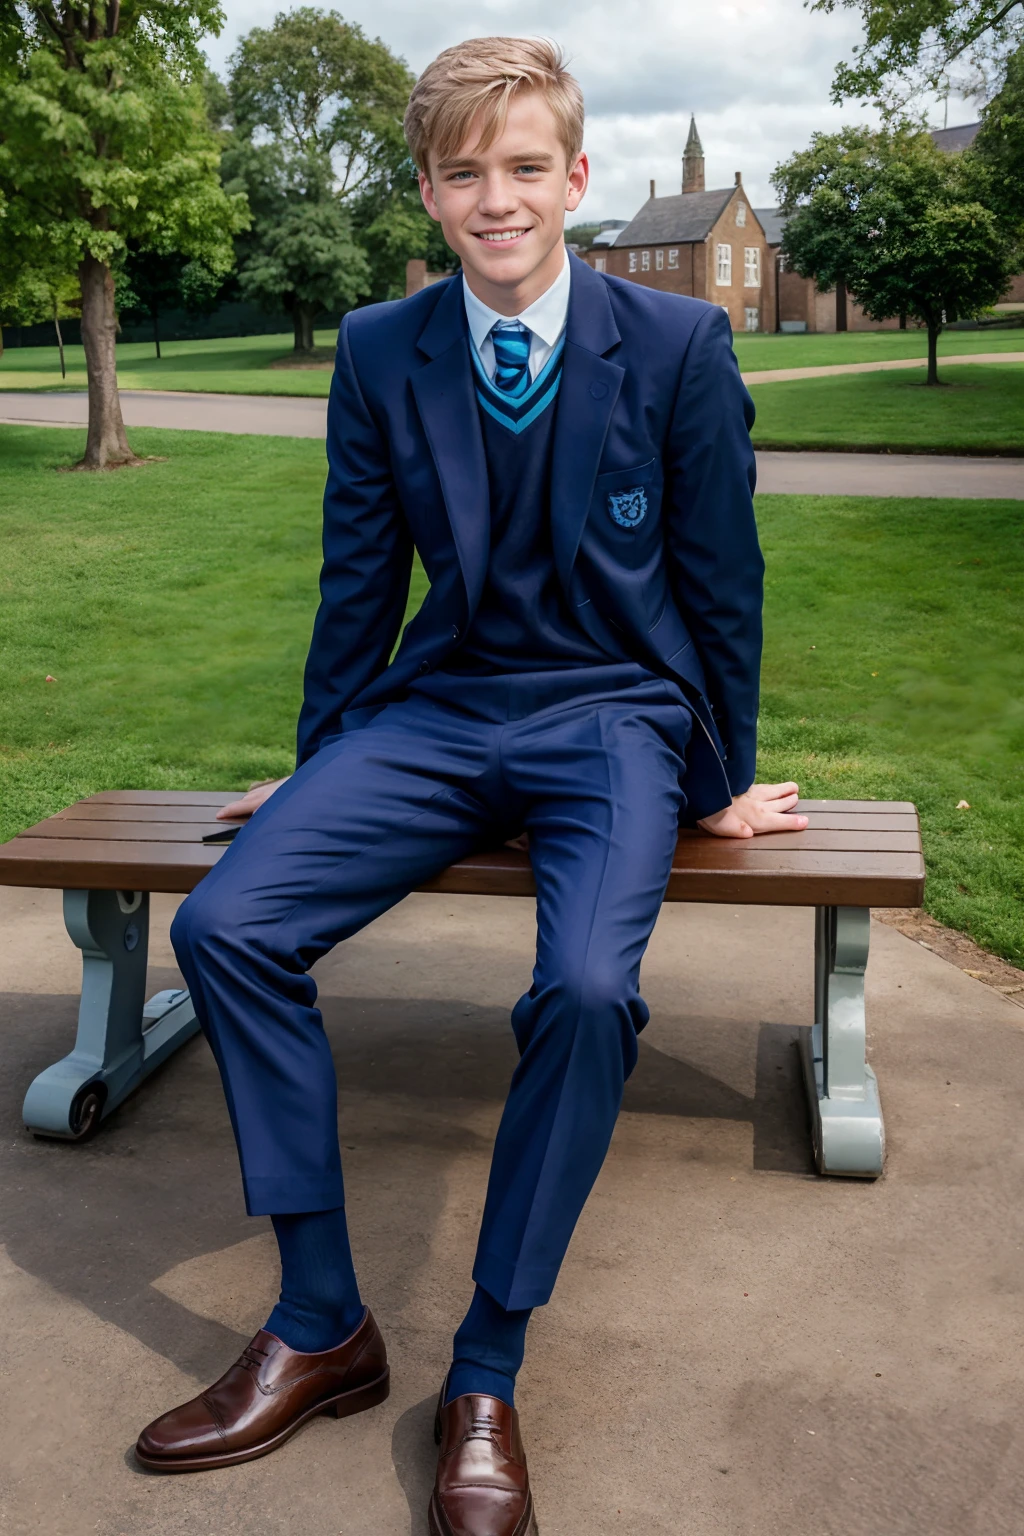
706	244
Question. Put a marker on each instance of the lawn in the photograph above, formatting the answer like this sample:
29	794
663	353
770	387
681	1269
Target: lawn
242	364
979	409
172	605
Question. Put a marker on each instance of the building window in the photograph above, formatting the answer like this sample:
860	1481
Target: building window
600	263
741	215
723	269
752	267
632	261
673	258
645	261
659	259
751	319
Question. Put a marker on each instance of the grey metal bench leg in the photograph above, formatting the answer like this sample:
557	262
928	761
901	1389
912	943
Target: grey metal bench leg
846	1116
121	1038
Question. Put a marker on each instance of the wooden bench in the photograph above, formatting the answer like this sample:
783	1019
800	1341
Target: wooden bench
109	852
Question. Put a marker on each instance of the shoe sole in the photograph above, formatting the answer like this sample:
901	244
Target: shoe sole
340	1407
439	1526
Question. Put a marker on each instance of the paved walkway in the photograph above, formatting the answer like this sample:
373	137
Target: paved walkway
734	1348
807	474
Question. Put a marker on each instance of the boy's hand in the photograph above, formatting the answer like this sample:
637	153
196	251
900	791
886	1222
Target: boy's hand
241	810
763	808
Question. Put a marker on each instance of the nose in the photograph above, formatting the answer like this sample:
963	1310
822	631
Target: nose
498	198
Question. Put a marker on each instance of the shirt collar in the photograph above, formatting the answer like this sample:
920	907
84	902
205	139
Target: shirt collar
545	317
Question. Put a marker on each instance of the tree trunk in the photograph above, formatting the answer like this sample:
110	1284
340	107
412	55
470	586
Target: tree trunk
303	318
60	345
903	320
933	345
156	332
840	306
106	446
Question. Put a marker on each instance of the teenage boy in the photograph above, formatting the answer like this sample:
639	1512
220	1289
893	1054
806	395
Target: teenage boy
569	454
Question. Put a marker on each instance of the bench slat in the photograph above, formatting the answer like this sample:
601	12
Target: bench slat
188	834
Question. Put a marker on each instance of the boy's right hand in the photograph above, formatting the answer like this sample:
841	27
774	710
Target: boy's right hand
241	810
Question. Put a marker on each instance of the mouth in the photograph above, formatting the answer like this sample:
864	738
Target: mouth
500	236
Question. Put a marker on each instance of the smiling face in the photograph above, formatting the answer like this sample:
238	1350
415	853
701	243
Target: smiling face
502	209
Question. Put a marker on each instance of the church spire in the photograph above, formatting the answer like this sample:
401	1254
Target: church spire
693	160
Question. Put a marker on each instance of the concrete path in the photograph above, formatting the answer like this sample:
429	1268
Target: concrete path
735	1347
947	360
888	474
808	474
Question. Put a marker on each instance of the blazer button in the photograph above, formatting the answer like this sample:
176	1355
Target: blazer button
424	668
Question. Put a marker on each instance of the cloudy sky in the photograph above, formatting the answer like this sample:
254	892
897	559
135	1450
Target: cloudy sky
756	73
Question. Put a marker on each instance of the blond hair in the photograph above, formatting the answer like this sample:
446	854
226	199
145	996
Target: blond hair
482	76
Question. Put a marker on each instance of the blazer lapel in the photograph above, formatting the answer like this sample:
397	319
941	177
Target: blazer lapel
587	396
445	397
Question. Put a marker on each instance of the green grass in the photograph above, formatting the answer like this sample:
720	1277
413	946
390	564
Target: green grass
980	409
241	364
778	351
237	365
173	606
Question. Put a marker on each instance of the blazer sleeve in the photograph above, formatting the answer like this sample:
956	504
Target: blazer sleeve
367	564
717	571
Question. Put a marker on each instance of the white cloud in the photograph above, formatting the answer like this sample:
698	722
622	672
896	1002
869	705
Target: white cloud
756	73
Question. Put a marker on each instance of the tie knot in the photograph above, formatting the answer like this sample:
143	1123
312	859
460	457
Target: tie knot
511	341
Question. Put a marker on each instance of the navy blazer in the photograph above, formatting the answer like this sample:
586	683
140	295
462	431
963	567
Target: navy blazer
651	398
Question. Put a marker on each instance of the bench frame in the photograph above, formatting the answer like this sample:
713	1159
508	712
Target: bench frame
122	1038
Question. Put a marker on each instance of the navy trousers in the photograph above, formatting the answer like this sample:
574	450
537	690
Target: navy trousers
596	781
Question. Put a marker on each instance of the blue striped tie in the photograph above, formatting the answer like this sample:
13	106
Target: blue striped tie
511	355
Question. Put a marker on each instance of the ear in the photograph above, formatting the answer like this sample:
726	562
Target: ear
579	179
427	194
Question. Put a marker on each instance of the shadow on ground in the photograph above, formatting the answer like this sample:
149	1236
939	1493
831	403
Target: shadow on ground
159	1184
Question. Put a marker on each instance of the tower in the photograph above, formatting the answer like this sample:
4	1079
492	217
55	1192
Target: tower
693	161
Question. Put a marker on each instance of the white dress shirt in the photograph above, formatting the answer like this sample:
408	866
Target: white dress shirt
544	318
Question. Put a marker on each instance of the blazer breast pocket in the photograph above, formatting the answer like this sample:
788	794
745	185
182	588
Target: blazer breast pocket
625	511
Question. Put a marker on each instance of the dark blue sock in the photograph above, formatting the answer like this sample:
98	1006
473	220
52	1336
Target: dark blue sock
319	1305
488	1350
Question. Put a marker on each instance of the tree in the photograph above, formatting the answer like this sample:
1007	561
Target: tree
911	45
152	282
906	227
307	261
104	139
319	149
1000	144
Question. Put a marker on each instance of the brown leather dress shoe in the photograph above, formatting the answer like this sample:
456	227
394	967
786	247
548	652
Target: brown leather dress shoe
264	1398
482	1486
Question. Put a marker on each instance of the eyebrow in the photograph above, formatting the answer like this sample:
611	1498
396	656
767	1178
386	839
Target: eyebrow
466	162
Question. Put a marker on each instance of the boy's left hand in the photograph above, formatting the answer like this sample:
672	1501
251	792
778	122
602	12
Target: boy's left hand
763	808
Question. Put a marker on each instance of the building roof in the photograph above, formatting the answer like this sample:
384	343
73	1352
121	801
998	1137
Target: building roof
685	217
950	140
773	222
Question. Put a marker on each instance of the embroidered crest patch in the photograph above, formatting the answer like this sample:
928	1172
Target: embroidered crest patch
628	508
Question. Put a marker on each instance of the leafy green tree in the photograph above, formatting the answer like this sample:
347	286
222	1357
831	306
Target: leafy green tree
319	149
104	139
152	282
307	261
911	45
907	228
1000	144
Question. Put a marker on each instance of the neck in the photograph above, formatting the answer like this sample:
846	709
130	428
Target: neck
512	299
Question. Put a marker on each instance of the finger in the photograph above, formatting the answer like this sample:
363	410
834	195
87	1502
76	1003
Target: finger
238	810
772	792
731	825
769	821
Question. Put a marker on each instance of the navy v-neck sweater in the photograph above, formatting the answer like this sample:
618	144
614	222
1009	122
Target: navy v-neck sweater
523	623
